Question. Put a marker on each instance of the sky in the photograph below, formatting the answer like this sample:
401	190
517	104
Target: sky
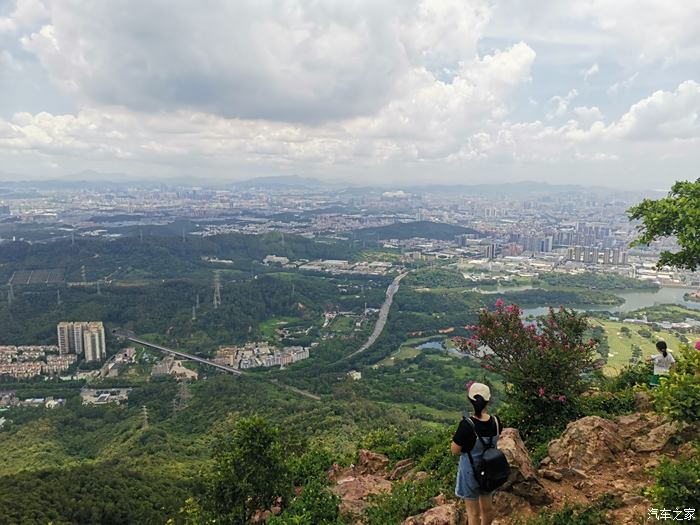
602	92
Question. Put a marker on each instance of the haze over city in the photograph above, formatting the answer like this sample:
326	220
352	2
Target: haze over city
603	93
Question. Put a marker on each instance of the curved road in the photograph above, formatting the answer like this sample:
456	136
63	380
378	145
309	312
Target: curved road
383	315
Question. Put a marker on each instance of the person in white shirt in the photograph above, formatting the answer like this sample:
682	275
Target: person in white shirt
663	361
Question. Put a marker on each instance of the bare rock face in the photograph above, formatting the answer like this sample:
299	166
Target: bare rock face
586	443
656	440
448	514
353	491
401	468
369	462
523	480
633	425
506	504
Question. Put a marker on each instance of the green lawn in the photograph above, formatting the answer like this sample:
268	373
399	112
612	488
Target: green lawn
621	344
267	328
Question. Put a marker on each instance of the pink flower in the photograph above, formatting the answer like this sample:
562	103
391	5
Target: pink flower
697	345
499	303
562	398
511	308
541	391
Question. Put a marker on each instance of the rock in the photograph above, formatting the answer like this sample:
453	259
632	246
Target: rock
438	500
656	439
551	474
586	443
688	450
371	463
508	504
353	491
545	461
416	477
643	402
651	464
400	468
443	515
632	499
523	480
636	424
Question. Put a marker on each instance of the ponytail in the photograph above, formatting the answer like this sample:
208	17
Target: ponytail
662	347
479	403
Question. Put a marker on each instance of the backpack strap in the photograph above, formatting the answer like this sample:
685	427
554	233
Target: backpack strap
469	452
483	443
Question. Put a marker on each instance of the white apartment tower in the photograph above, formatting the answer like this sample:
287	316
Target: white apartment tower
82	337
94	342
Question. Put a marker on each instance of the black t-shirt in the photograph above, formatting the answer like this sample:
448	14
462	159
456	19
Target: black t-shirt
465	436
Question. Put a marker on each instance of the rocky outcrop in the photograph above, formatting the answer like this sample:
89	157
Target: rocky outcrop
656	440
353	491
448	514
369	462
587	443
401	468
523	480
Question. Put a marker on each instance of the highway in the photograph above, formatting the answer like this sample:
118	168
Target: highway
184	355
131	337
383	315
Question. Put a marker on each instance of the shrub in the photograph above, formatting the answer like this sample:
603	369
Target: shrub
405	499
543	363
315	505
629	376
679	395
311	465
677	483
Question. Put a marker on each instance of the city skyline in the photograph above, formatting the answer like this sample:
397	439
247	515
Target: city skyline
396	92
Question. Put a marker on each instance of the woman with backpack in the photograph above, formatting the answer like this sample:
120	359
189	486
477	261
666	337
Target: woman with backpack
475	439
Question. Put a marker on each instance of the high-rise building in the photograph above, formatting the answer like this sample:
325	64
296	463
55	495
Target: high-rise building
82	337
94	342
70	338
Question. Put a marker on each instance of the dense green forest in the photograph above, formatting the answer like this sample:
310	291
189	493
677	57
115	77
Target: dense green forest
408	230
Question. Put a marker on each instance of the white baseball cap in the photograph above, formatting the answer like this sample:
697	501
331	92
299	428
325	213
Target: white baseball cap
479	389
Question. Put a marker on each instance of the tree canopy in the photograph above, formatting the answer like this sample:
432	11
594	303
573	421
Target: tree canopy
676	215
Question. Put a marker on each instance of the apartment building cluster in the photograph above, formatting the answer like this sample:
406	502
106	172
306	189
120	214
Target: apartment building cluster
26	362
254	355
83	338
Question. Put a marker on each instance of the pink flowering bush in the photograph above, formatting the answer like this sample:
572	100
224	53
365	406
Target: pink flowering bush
543	362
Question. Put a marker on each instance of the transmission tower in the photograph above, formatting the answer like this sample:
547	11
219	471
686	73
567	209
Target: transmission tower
10	295
183	235
99	292
144	425
58	297
196	301
83	273
194	313
217	289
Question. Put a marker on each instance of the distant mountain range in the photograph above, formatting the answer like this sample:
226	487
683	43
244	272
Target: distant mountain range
91	179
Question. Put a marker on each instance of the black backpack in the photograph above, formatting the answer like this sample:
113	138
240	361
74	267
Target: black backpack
493	469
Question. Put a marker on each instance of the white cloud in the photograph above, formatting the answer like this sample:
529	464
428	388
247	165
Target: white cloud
253	59
594	69
623	85
663	115
623	31
559	105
